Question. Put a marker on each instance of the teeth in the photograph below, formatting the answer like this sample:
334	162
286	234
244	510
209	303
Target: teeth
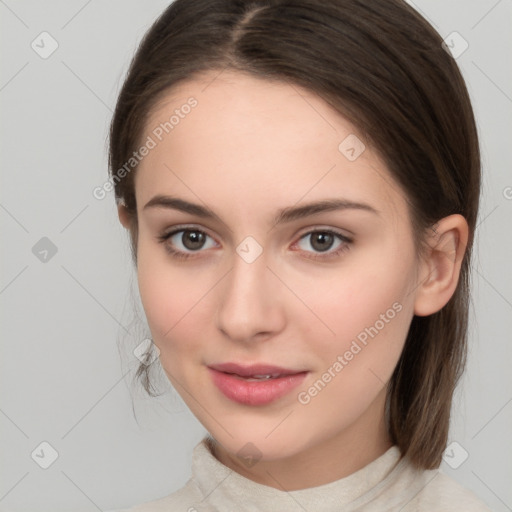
261	377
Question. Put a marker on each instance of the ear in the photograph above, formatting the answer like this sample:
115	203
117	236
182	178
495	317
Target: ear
124	216
440	267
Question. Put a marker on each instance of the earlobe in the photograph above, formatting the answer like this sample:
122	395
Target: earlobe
440	268
124	216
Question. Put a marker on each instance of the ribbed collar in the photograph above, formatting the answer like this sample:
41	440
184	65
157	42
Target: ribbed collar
225	489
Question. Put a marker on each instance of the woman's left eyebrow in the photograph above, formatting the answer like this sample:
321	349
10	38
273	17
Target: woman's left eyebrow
298	212
284	215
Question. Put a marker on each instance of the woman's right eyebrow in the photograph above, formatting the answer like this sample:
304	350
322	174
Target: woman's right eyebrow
284	215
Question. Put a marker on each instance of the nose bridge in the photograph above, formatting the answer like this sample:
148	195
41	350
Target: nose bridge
248	304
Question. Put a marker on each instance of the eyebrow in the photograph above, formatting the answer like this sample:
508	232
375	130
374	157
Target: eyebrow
284	215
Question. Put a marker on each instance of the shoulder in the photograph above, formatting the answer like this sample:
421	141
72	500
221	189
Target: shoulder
186	499
446	494
434	491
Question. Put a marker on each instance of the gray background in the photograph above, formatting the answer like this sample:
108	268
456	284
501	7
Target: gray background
63	379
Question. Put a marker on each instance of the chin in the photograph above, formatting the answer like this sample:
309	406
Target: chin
256	443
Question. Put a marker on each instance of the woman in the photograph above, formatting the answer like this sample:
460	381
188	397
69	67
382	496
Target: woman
300	181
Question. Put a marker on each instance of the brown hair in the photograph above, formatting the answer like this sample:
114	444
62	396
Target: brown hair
383	68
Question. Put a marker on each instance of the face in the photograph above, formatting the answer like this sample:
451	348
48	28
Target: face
325	292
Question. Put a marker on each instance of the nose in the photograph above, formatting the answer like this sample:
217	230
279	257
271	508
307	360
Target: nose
250	301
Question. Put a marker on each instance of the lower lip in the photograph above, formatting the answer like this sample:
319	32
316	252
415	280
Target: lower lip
255	392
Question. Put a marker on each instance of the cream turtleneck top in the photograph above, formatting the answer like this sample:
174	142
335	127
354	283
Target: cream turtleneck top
386	484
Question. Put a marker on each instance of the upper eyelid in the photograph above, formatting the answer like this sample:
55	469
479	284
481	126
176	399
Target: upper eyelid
304	231
321	229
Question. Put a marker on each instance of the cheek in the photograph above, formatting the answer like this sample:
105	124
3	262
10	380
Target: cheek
354	366
169	307
365	315
352	300
174	301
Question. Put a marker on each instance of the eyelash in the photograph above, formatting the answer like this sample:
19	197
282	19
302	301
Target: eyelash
328	255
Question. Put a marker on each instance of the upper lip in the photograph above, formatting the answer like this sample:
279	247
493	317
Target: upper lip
253	369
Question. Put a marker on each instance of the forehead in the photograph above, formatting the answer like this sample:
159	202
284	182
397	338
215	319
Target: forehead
262	111
252	140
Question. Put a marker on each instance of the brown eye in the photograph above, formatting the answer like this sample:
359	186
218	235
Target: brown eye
324	244
193	240
321	241
186	242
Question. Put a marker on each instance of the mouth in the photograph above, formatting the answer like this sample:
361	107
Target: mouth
255	384
255	371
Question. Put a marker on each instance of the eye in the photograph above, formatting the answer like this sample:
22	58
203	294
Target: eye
323	241
183	243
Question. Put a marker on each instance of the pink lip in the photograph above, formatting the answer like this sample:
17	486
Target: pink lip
245	392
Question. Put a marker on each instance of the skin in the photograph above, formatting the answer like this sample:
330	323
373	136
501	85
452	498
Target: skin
248	149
